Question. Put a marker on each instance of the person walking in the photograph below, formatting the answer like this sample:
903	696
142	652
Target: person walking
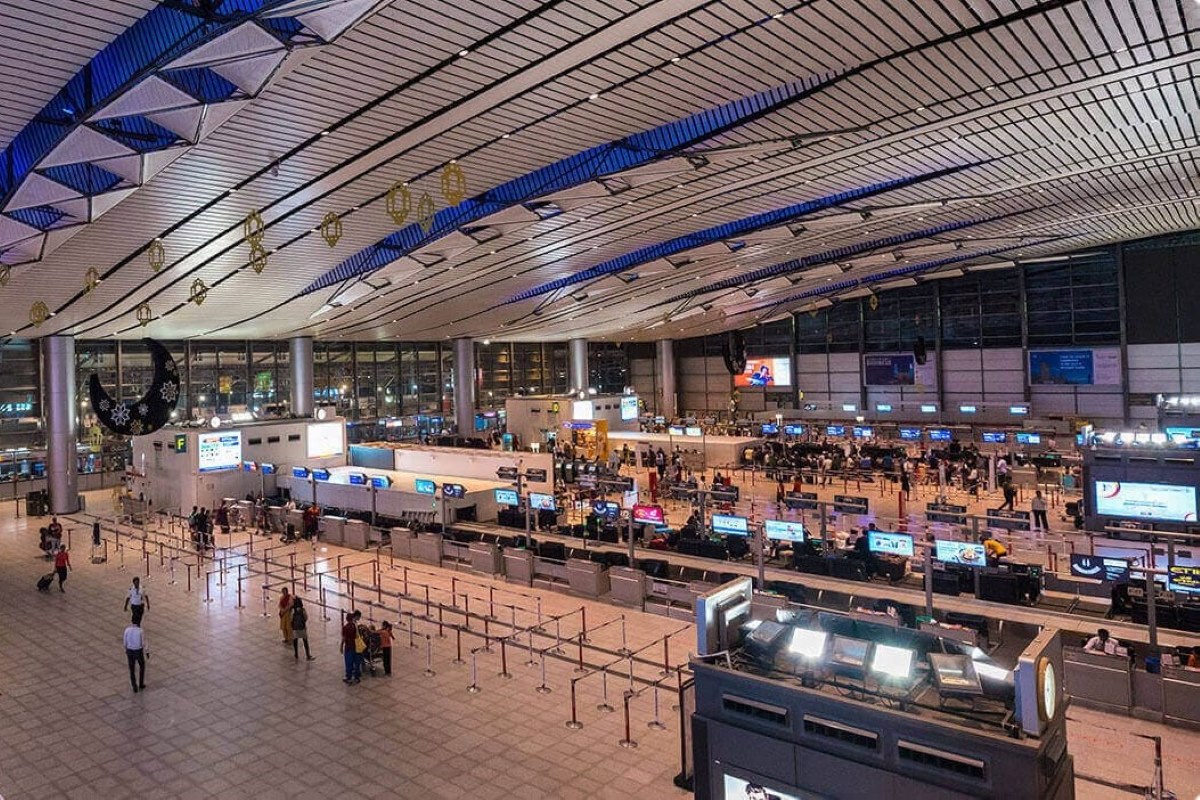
1010	495
300	629
62	564
385	646
137	600
1038	506
349	650
135	654
285	616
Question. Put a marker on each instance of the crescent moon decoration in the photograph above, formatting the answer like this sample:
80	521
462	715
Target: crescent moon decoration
149	412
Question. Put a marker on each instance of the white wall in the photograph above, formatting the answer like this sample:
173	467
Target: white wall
478	464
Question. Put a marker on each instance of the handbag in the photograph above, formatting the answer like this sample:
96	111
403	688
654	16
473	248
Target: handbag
359	645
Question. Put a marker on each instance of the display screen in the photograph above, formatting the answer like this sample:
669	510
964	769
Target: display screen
381	481
1075	367
740	789
320	474
629	408
325	439
1184	579
835	430
675	430
221	450
783	530
726	523
1029	438
507	497
890	370
762	372
770	429
896	544
358	479
249	466
1019	411
649	515
1158	501
693	430
883	408
542	502
995	437
1099	568
455	491
583	410
849	652
864	432
425	486
939	434
910	434
967	409
606	509
299	472
971	555
793	430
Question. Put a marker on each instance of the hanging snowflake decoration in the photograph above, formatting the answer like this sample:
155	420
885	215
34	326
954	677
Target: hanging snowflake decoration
136	428
143	409
120	414
169	392
104	405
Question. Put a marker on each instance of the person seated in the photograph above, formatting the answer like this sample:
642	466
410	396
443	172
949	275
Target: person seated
994	549
1102	642
1193	661
659	542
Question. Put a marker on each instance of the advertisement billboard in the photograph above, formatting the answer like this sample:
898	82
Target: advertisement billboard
325	439
783	530
542	502
1084	367
217	451
1167	502
890	370
965	553
765	372
648	514
895	544
507	497
629	408
726	523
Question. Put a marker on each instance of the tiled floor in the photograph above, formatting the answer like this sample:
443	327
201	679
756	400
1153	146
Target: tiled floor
229	713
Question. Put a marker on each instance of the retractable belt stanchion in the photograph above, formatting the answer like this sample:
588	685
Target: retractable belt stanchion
656	724
239	587
543	689
573	723
604	706
474	687
628	741
458	659
429	673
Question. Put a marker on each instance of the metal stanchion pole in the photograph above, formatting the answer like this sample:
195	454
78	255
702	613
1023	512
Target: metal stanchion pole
503	659
656	724
574	723
474	687
579	667
239	587
458	659
557	637
628	741
207	587
624	644
666	670
172	582
412	627
429	673
604	707
188	572
538	627
487	636
265	596
543	689
324	608
531	662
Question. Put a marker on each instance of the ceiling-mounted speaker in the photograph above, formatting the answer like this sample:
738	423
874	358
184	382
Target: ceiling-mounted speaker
734	352
920	351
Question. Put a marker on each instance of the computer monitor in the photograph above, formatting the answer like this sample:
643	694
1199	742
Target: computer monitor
849	653
720	615
730	525
965	553
885	542
783	530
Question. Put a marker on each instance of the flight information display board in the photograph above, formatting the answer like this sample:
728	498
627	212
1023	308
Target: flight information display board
1167	502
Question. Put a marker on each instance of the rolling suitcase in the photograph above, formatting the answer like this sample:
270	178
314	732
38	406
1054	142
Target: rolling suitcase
45	581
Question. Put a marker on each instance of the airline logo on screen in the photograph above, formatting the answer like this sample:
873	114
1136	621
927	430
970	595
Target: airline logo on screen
1160	501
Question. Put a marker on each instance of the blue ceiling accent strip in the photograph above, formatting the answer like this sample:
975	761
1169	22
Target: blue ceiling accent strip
837	254
730	230
667	140
40	217
201	83
87	179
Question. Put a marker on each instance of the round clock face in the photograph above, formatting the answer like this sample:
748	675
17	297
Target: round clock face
1047	689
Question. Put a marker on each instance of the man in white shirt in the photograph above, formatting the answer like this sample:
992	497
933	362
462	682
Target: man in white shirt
135	652
138	600
1101	643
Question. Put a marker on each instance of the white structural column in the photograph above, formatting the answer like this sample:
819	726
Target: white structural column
668	399
464	386
62	425
577	358
301	361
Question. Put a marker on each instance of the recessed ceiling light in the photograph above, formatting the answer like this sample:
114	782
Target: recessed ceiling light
505	136
675	60
463	52
593	95
989	88
777	15
323	133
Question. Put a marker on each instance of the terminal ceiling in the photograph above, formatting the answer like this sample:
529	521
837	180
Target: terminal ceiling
633	170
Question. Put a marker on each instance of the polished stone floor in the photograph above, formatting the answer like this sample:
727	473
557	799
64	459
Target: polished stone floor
229	713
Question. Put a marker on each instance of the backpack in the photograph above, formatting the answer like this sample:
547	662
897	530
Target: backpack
299	619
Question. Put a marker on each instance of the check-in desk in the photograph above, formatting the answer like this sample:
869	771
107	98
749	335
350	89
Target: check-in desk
333	530
455	552
1181	696
402	543
518	566
628	587
245	513
1099	680
295	518
587	578
354	534
485	557
427	549
549	573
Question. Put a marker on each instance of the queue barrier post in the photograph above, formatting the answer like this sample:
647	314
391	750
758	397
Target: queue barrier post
239	587
412	626
543	688
487	636
604	706
656	724
628	741
458	659
428	673
207	586
531	662
474	687
503	659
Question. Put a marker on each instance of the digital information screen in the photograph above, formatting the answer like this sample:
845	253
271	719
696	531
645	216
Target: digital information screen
1098	367
769	429
890	370
358	479
738	788
1184	579
542	502
910	434
648	515
693	430
299	472
454	490
1099	568
783	530
864	432
381	481
995	437
425	486
763	372
324	439
1029	438
896	544
606	508
725	523
835	430
629	408
220	450
583	410
965	553
793	430
507	497
939	434
1167	502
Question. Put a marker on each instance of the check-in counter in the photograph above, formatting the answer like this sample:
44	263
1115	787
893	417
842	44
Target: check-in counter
402	543
958	633
548	573
518	566
1181	696
333	530
1097	679
455	552
245	513
628	587
355	534
485	557
295	518
587	578
427	548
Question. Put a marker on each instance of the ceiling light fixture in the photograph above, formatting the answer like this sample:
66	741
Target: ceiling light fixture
462	53
323	133
593	95
675	60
